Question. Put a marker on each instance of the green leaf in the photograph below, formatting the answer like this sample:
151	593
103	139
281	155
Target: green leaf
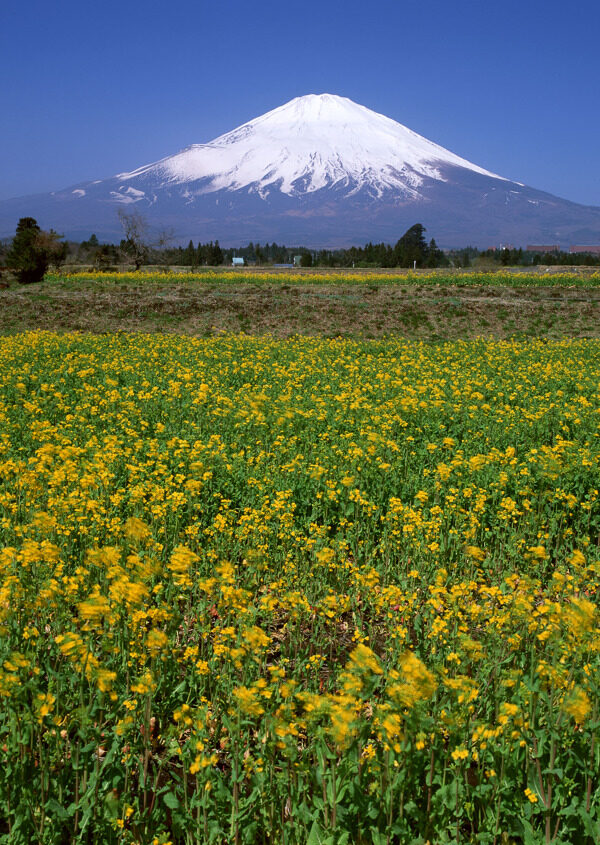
171	800
591	825
378	838
53	808
112	804
342	790
530	837
316	835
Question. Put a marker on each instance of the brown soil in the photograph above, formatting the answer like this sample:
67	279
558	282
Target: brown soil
423	312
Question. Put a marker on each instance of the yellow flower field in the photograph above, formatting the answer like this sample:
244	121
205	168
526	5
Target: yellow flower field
582	277
314	591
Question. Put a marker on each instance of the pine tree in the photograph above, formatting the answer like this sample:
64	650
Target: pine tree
28	255
190	254
412	247
435	256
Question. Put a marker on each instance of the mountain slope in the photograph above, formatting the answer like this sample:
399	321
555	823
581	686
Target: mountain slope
320	170
310	143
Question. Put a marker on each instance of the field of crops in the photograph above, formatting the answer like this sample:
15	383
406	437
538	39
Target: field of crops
305	591
583	277
429	307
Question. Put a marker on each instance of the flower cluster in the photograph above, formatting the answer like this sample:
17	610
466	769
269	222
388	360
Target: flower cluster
317	585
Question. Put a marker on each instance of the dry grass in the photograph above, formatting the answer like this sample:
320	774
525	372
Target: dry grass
423	312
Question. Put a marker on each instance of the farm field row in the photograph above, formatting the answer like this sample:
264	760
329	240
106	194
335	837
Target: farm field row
582	277
302	591
192	305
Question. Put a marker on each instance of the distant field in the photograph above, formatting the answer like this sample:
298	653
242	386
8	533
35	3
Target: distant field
540	276
431	307
423	306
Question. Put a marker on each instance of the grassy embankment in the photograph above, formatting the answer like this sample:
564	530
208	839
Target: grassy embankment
424	306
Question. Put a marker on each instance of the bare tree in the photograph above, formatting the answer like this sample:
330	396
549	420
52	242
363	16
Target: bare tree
164	239
56	249
135	243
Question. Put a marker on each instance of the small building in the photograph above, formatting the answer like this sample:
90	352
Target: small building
542	248
237	262
590	249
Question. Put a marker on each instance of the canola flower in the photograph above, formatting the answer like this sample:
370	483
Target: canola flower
225	275
250	586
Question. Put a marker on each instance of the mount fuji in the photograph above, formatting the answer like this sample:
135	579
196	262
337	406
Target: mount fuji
321	171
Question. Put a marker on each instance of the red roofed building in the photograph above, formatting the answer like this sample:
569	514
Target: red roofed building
591	249
543	248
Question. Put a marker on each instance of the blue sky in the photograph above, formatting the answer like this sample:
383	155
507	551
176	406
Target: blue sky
93	89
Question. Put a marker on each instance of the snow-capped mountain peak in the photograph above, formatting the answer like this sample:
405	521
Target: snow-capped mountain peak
312	142
320	170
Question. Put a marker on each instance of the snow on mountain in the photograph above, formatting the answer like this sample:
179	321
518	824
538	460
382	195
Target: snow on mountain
312	142
320	171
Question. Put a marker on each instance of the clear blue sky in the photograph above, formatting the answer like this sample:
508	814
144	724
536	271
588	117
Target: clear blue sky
93	89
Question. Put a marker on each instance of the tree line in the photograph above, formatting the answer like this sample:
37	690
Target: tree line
33	250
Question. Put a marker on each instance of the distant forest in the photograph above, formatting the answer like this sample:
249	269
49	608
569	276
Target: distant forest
371	255
411	250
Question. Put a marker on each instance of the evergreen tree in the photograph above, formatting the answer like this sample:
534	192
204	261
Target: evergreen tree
88	250
31	250
435	256
213	254
412	247
189	256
